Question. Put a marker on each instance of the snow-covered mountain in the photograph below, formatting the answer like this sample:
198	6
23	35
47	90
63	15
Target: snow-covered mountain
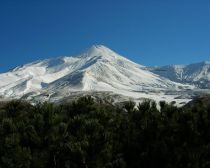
98	69
197	74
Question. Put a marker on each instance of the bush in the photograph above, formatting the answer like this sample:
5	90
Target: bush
87	134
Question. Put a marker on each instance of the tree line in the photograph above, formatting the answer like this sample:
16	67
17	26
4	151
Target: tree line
87	134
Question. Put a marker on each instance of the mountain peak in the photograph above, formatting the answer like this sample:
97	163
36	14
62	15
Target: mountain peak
99	47
206	62
103	52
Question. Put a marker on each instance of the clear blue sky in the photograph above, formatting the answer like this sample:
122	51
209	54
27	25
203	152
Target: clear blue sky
150	32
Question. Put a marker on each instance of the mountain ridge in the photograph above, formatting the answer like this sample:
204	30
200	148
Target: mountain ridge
195	74
98	69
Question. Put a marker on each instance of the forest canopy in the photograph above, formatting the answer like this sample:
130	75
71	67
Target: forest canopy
89	134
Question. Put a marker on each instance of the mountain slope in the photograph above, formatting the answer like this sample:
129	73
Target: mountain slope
97	69
195	74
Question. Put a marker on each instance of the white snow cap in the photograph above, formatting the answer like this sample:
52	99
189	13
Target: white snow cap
100	50
97	69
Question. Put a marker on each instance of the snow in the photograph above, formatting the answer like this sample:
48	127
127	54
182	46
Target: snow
97	69
193	74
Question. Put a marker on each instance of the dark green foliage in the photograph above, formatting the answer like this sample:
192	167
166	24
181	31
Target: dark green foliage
86	134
